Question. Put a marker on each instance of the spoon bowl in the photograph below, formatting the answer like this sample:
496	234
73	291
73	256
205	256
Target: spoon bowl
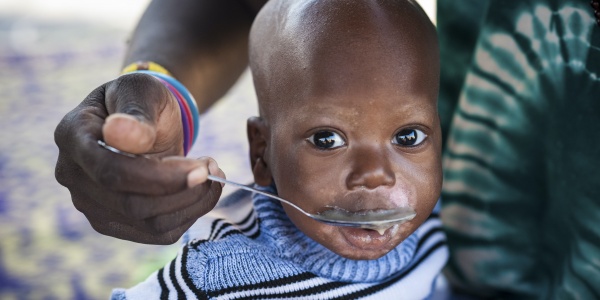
378	220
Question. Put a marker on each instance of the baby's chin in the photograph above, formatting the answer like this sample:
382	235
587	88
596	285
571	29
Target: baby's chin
352	243
364	244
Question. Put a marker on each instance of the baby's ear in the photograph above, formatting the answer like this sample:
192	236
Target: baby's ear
257	139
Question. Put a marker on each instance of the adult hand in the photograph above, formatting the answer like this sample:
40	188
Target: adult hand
151	201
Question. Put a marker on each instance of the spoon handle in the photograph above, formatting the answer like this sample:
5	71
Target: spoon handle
247	188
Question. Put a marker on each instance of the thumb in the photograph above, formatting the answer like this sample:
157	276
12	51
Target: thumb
136	104
128	133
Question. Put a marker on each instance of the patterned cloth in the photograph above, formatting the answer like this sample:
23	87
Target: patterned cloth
522	187
249	249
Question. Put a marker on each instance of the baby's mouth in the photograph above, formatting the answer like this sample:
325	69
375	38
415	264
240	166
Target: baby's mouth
377	219
367	239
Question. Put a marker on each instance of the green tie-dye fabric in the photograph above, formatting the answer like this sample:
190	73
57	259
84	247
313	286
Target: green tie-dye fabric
522	156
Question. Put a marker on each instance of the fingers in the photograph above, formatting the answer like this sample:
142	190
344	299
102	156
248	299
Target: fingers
136	206
144	116
171	221
201	198
205	192
121	215
168	227
200	175
116	226
150	177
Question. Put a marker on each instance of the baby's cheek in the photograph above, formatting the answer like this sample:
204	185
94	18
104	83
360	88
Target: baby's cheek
324	235
406	229
316	230
428	189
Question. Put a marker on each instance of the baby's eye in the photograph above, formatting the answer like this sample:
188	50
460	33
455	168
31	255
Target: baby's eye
327	140
409	137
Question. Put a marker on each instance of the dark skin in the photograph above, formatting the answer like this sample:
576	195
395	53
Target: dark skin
363	74
204	45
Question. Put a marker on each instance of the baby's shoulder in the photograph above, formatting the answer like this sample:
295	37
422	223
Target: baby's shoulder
231	261
224	248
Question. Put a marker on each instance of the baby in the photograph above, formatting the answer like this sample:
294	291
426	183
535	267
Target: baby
347	93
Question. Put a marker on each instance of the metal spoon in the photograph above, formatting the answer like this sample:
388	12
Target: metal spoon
378	220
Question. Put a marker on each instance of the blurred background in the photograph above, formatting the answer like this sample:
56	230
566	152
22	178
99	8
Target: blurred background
52	54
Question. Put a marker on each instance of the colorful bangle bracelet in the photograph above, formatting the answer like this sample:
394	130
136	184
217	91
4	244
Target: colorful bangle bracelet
185	117
187	96
187	104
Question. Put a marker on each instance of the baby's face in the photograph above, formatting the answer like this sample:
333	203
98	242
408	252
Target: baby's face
348	94
358	141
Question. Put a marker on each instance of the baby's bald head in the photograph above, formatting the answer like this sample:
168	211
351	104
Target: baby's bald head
299	48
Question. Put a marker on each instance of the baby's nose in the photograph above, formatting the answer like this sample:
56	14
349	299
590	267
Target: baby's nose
371	168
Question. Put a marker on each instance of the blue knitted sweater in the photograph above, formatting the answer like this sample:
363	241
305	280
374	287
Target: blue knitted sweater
247	248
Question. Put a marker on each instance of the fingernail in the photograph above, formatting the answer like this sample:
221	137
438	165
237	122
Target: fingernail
196	177
213	169
122	116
